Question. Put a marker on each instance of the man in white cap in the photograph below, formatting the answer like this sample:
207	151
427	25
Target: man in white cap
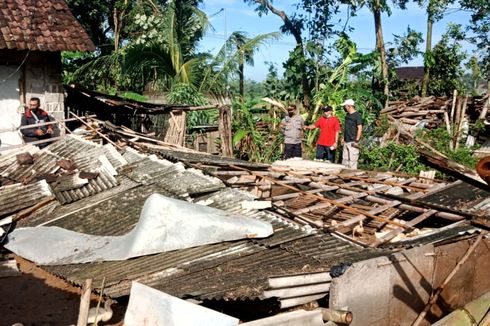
352	134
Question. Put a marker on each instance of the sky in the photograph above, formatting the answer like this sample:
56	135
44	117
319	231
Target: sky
227	16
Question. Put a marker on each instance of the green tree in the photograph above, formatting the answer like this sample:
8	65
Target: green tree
447	71
435	10
480	26
95	17
377	7
245	48
293	27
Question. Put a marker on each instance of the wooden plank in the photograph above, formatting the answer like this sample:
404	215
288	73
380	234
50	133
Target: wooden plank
294	194
390	235
394	184
331	201
356	219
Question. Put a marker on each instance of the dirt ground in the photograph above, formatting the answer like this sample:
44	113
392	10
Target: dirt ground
37	298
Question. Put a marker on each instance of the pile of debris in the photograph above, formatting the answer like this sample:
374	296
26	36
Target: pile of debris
326	221
436	111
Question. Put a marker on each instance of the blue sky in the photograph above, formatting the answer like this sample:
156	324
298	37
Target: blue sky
238	16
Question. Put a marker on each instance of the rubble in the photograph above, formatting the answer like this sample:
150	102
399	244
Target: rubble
321	218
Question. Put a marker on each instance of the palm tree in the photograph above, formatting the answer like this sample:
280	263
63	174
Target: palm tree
245	48
237	51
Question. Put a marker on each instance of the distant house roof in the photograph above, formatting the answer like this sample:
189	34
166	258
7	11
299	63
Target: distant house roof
410	73
41	25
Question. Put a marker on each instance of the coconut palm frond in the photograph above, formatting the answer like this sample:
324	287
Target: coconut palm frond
275	103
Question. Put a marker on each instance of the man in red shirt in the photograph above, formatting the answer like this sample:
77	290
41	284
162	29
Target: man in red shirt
329	134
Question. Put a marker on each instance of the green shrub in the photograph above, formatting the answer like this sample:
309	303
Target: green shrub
392	157
440	139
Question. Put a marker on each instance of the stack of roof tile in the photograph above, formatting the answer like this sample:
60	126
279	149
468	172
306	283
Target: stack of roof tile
41	25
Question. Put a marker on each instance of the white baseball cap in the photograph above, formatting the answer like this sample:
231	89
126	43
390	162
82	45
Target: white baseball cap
349	102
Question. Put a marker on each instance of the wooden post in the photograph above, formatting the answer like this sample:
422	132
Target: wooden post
458	126
485	108
100	299
225	131
455	95
448	124
85	303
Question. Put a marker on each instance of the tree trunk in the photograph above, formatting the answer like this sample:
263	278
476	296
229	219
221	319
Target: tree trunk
380	46
299	45
118	17
428	48
241	76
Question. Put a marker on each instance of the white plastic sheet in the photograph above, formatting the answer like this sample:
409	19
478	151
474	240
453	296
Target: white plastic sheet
165	224
148	306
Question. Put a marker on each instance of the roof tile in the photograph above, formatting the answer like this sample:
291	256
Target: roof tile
52	23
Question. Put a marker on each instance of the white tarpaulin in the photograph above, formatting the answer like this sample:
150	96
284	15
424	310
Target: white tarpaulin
165	224
148	306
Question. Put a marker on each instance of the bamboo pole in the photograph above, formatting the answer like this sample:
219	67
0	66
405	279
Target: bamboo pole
40	124
435	295
462	113
98	133
85	303
98	302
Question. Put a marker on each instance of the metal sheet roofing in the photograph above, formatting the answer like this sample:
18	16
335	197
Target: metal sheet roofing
206	159
235	269
230	270
16	197
86	156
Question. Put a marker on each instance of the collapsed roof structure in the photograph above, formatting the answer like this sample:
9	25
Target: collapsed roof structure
324	218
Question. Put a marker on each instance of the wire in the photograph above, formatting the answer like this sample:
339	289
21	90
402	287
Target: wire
16	70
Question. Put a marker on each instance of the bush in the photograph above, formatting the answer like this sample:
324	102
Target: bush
440	139
392	157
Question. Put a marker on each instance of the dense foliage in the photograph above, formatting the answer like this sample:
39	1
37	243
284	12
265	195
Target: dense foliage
151	46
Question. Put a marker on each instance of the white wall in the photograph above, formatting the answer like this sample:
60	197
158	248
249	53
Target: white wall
10	114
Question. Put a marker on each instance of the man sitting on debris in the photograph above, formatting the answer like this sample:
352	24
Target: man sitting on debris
292	127
35	115
329	134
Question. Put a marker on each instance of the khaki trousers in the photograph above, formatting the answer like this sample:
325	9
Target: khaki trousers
350	154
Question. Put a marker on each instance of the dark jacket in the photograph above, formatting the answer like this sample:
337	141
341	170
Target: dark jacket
29	119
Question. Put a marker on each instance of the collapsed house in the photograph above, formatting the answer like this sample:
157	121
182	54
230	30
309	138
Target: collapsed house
376	244
167	122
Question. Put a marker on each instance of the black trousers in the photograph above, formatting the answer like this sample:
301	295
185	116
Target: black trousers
292	150
325	153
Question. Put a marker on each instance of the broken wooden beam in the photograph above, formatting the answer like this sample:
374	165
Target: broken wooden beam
321	198
392	234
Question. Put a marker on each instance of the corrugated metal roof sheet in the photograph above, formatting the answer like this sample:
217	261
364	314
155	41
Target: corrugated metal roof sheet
86	156
16	197
175	177
175	156
103	182
44	162
236	269
229	270
459	195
